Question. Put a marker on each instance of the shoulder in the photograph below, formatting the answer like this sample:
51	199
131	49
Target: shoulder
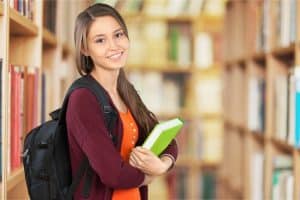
81	93
82	97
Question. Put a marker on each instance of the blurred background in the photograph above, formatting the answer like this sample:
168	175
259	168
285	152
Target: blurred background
228	68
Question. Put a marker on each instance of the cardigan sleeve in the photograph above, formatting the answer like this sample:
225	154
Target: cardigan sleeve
171	151
86	122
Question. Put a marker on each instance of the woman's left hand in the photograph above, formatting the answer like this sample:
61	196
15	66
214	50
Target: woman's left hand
147	162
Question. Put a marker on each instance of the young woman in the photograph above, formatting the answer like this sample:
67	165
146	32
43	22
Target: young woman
122	171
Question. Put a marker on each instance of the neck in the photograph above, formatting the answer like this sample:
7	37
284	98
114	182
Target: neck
107	78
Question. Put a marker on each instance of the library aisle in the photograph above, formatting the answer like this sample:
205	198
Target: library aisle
227	68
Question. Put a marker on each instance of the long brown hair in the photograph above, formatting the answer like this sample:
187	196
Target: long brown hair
145	118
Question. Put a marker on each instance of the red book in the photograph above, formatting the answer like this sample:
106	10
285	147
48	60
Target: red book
35	98
29	102
16	121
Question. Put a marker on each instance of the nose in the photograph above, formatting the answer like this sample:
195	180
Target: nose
113	44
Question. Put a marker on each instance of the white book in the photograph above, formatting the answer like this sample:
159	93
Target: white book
175	7
281	107
285	23
171	97
289	187
291	107
195	7
253	104
208	96
153	84
203	54
184	51
256	173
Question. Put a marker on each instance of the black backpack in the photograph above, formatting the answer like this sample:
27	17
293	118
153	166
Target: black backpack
46	157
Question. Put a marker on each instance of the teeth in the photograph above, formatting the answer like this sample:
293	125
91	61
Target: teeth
115	56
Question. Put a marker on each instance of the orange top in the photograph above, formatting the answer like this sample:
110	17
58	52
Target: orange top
130	137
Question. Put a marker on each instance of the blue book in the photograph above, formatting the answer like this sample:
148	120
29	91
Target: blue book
297	107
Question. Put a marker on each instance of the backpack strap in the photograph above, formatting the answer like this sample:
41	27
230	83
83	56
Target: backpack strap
110	116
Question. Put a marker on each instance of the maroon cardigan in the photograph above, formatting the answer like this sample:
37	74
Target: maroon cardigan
88	136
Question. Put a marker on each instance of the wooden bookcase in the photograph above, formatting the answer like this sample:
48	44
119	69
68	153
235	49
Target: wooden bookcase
250	150
189	163
26	43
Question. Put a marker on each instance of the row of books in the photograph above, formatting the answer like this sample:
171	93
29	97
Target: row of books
287	104
201	140
49	15
172	43
171	90
178	183
259	25
286	21
24	83
154	7
180	44
168	90
283	178
24	7
237	87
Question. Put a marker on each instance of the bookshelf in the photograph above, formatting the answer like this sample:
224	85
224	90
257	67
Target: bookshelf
259	77
196	158
34	77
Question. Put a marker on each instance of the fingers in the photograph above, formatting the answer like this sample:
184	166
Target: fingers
137	160
143	151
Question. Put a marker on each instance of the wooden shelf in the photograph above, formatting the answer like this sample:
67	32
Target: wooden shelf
15	178
260	137
237	192
187	115
169	69
212	70
238	127
259	57
20	25
186	161
181	18
209	166
284	51
49	39
164	116
1	8
283	145
235	61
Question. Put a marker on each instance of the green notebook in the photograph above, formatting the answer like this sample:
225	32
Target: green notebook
162	135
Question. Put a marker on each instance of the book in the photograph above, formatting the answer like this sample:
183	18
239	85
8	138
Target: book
162	134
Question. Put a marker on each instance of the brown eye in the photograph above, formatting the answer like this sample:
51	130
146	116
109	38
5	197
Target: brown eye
100	40
119	34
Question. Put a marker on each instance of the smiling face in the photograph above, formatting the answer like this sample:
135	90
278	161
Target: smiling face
107	43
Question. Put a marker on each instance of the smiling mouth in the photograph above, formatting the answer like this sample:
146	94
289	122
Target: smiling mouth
116	55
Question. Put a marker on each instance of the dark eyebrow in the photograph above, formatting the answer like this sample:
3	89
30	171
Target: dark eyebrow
98	35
